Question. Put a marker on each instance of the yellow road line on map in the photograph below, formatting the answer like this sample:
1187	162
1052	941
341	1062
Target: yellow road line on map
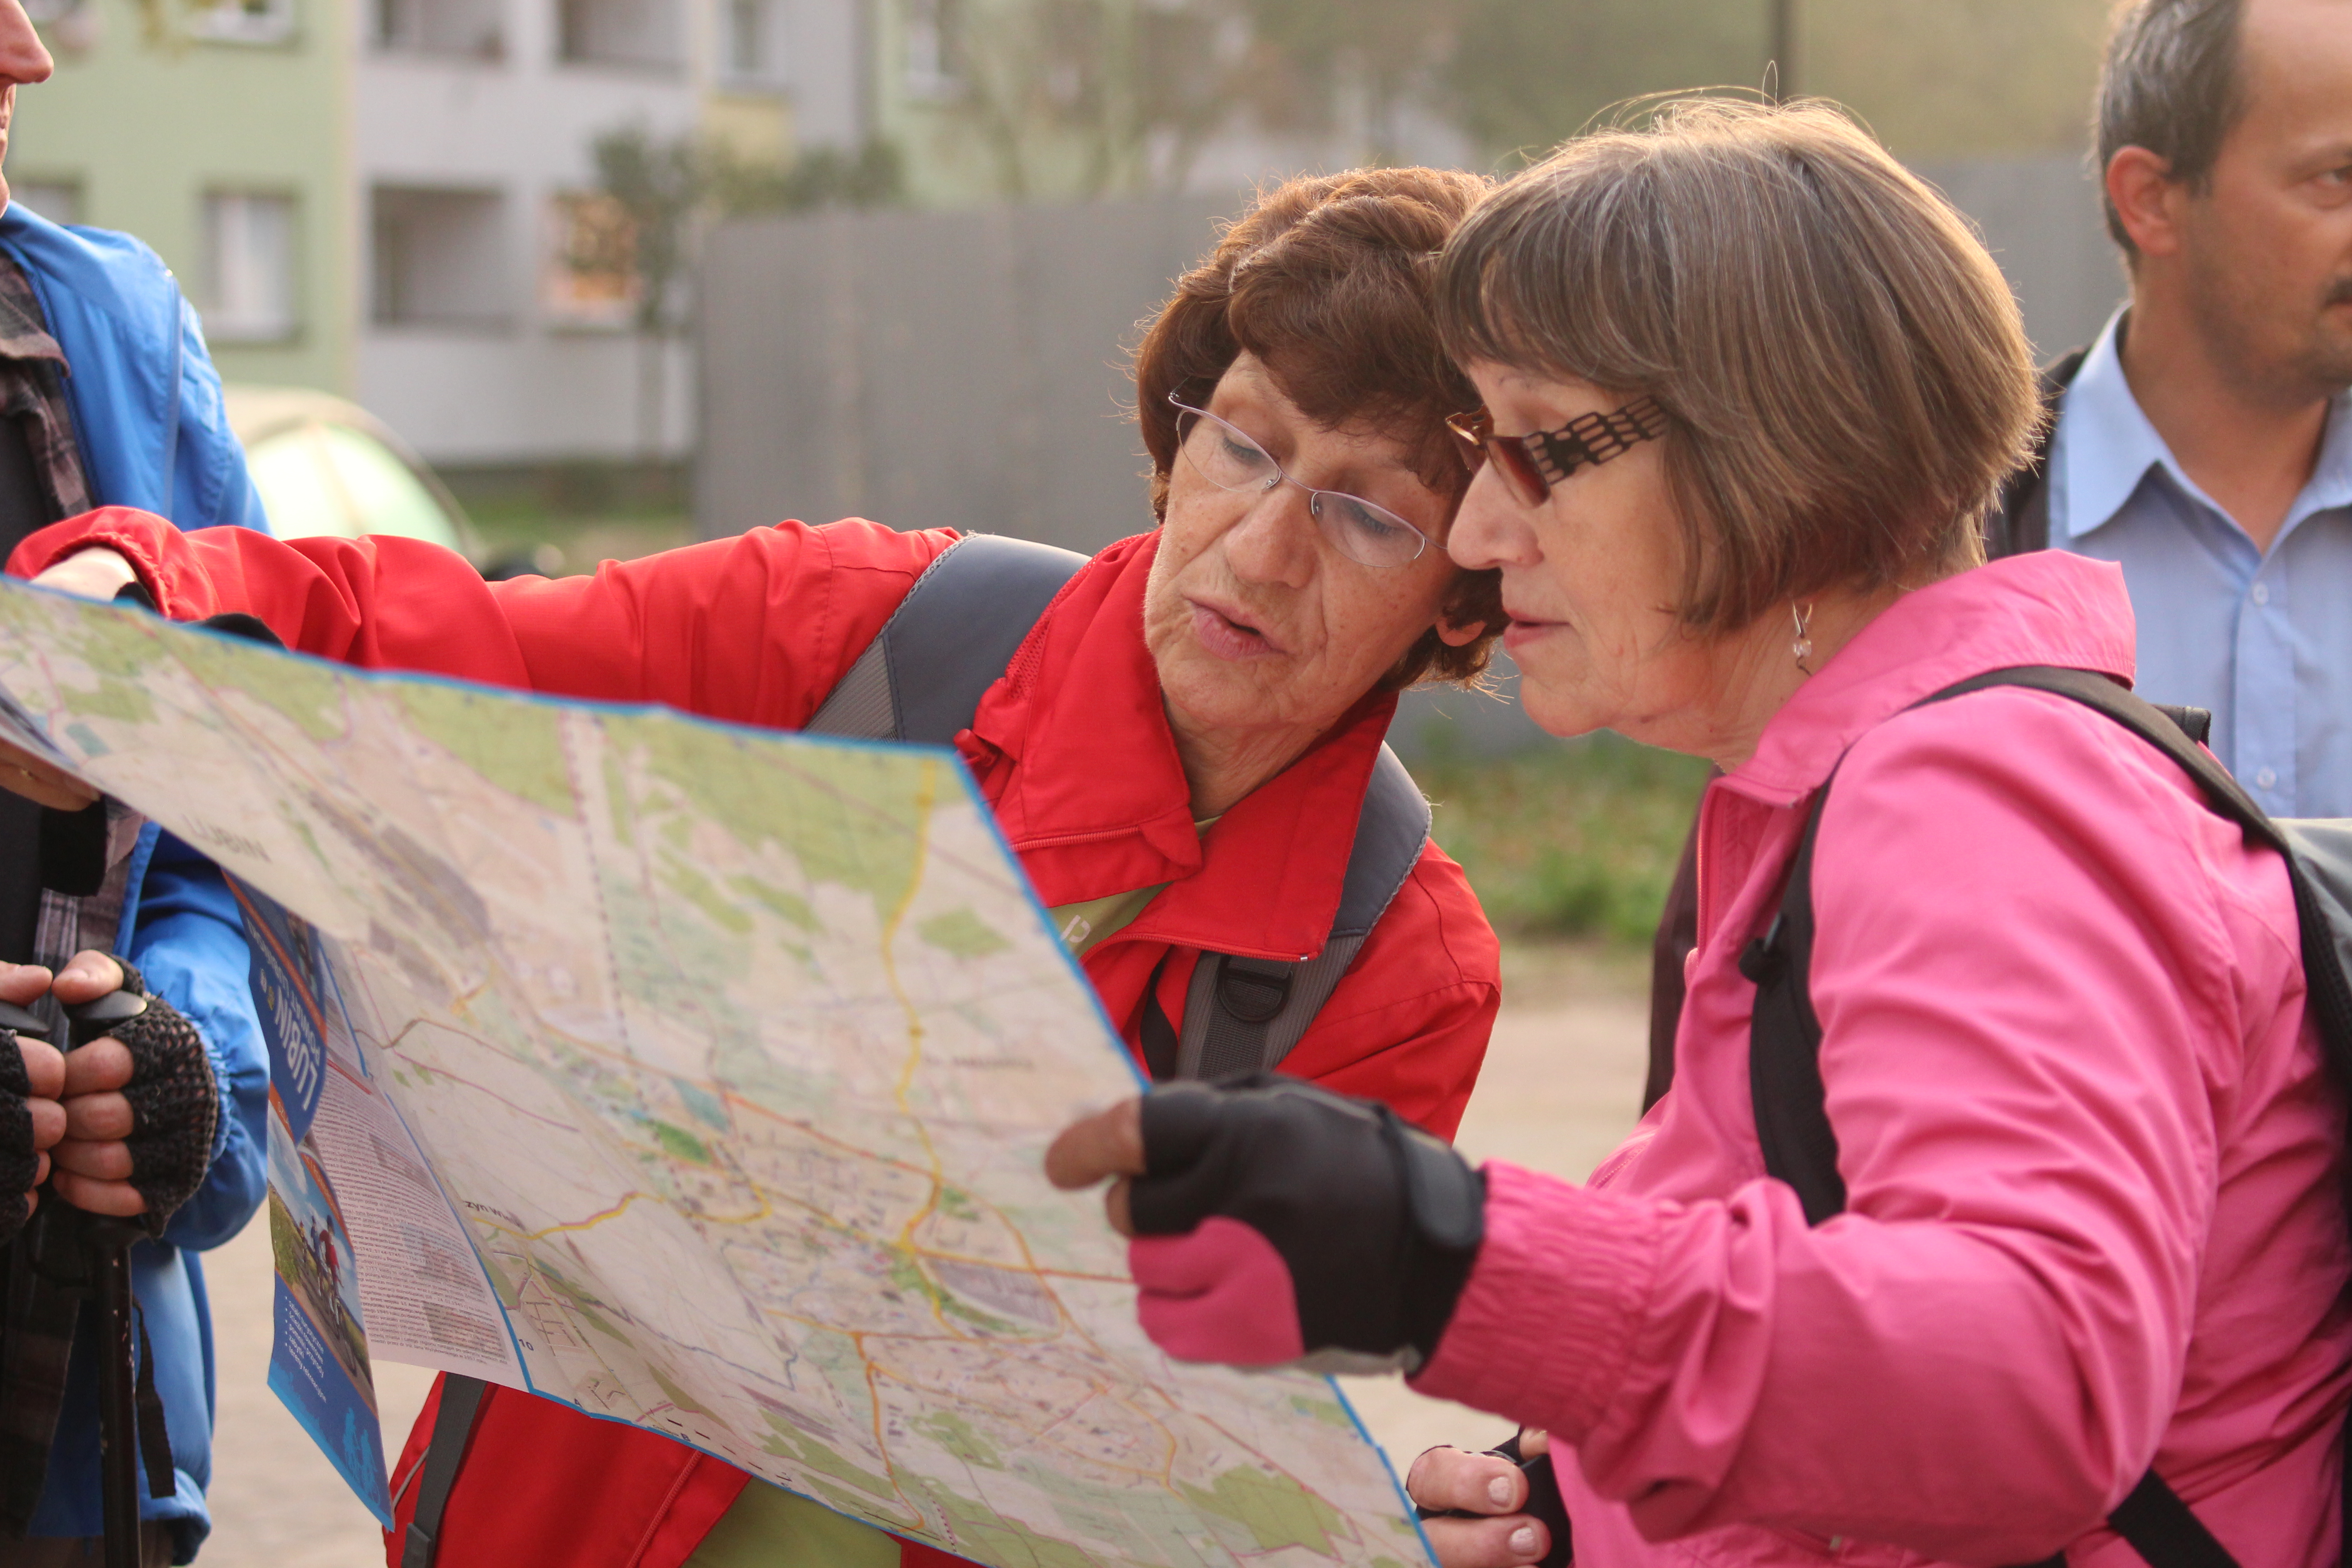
594	1219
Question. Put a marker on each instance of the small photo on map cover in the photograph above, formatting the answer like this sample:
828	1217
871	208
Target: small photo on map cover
318	1367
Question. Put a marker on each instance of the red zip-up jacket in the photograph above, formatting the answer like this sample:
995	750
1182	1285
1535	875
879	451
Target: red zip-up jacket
1072	749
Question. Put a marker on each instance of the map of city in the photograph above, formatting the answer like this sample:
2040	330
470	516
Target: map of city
738	1053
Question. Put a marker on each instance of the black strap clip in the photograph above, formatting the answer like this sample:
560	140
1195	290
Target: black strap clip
1253	995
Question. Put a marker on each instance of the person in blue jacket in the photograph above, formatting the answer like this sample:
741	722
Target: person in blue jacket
108	397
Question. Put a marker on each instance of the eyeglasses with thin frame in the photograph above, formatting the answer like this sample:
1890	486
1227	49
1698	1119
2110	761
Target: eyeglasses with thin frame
1231	460
1535	462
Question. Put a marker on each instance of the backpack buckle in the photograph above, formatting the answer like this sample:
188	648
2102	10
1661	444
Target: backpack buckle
1761	958
1253	995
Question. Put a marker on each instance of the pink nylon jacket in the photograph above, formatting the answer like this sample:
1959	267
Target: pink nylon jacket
2091	1156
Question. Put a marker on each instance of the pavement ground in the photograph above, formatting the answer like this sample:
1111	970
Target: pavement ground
1561	1085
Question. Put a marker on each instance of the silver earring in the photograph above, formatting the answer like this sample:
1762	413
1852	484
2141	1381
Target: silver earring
1803	646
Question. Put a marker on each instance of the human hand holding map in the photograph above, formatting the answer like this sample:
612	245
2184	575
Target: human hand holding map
698	1077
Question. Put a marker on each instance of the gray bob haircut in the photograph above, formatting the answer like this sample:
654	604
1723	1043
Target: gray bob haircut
1844	373
2169	83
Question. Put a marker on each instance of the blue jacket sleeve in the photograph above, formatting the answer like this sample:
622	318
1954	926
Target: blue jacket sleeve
190	946
210	487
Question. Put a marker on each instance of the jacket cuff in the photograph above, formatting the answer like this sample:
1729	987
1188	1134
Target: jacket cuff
1544	1326
127	531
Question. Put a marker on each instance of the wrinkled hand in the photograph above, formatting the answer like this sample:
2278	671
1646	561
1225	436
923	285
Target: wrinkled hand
1273	1221
32	1081
1453	1480
95	573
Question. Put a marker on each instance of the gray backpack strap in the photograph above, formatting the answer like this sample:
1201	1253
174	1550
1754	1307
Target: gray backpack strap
922	676
1246	1014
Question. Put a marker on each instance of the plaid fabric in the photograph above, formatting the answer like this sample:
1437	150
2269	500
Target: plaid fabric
41	1273
33	392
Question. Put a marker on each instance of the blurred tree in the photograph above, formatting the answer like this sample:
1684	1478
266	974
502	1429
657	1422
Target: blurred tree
1047	88
1062	98
1933	78
658	186
1387	52
1942	78
873	175
1526	74
659	193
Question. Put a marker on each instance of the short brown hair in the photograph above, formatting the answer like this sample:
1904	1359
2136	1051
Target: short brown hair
1328	281
1845	372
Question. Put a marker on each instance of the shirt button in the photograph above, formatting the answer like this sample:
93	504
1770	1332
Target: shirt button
2267	778
2261	593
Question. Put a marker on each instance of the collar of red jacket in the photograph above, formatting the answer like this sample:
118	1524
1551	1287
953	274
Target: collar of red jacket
1073	750
2048	607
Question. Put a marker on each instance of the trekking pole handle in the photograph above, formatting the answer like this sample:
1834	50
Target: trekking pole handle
110	1251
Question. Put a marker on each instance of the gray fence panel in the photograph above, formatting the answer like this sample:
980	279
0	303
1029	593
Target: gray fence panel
2040	219
964	370
969	369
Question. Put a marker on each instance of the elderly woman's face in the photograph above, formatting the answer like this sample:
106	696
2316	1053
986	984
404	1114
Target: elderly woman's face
1591	579
1254	620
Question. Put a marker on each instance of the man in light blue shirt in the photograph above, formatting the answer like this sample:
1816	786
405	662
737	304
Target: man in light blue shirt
2263	637
2205	442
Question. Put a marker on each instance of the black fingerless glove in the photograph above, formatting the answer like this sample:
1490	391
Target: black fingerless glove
1375	1224
18	1160
174	1104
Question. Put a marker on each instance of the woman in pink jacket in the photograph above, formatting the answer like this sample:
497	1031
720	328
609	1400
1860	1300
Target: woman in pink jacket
1748	388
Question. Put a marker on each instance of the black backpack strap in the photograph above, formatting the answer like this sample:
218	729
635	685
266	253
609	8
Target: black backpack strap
922	676
1785	1035
1243	1014
1784	1041
445	1455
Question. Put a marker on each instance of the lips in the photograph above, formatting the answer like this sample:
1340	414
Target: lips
1224	634
1525	628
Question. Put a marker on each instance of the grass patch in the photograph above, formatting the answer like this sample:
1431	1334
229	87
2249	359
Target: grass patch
1578	840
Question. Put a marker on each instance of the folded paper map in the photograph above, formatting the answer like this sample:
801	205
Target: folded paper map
696	1076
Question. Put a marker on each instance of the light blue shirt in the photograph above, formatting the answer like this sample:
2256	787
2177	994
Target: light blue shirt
2264	641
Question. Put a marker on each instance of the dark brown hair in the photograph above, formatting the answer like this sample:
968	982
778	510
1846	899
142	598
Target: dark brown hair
1328	281
1843	367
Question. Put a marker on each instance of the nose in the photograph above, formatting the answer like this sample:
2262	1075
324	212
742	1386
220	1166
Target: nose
1275	540
1490	529
24	59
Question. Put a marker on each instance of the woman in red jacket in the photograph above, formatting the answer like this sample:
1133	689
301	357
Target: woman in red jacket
1238	665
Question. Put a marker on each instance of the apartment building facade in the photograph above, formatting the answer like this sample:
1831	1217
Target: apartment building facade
393	199
220	136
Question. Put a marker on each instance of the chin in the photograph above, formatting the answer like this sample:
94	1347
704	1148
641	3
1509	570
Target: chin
1210	690
1563	714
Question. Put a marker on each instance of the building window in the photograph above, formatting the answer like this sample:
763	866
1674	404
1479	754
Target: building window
591	276
619	32
471	29
249	275
243	21
59	201
439	257
755	45
935	47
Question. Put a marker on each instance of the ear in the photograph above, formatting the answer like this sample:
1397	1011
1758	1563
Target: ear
1459	633
2147	200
